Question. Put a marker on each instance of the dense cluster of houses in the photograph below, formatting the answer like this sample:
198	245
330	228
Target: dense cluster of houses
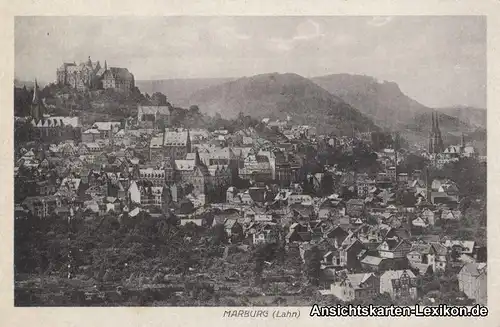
254	187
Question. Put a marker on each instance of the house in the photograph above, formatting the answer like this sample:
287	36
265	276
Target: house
428	216
355	286
425	255
451	214
176	143
265	234
464	248
419	222
106	129
42	206
134	194
196	221
336	233
355	207
399	284
332	258
293	233
299	199
375	264
234	230
349	251
438	256
472	280
152	114
394	248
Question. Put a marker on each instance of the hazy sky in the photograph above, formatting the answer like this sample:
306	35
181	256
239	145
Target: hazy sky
438	61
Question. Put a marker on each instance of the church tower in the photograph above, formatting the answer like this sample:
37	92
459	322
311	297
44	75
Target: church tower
439	139
36	104
435	140
431	135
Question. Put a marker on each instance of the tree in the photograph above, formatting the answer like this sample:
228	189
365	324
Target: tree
372	220
413	162
454	254
218	235
327	184
313	265
159	99
381	140
194	110
263	253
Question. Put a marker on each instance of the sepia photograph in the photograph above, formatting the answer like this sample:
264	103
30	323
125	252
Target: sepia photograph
249	161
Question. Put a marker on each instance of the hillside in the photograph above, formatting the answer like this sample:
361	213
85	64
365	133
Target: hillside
470	115
178	91
382	101
278	95
389	107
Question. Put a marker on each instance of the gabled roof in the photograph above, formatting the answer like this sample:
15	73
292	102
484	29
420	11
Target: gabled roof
106	126
371	260
396	274
59	121
474	269
357	280
184	164
120	73
420	248
439	248
467	246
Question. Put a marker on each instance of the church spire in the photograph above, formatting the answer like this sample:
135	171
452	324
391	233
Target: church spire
36	99
36	105
197	159
105	65
433	129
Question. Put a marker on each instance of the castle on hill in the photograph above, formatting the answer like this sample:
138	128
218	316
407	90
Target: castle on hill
91	76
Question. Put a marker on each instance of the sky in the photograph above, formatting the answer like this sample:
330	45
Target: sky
437	60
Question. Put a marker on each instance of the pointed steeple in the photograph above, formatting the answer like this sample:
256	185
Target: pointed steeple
36	99
433	128
105	65
36	104
197	159
463	141
439	139
188	141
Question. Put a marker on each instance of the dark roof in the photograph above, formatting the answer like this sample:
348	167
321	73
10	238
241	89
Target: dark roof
120	73
305	236
356	201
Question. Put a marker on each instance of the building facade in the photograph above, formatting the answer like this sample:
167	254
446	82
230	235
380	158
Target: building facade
92	76
85	76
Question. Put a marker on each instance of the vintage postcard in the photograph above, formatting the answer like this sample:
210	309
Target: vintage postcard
281	167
